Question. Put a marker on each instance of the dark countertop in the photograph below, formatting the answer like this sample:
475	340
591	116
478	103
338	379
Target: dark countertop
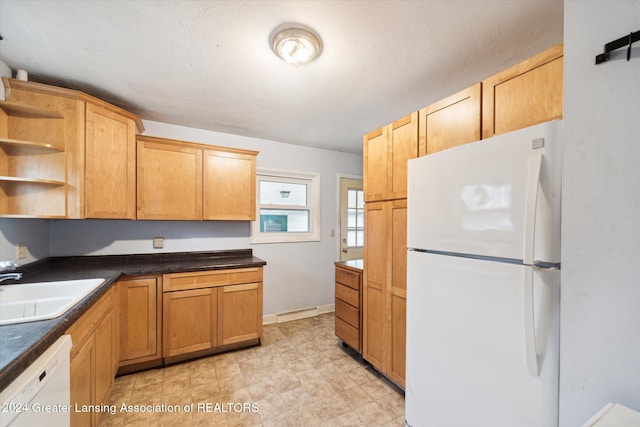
357	264
21	344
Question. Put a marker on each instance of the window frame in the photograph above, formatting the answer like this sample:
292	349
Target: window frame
312	181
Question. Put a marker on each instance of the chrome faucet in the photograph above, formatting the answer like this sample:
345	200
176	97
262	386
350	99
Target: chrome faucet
9	276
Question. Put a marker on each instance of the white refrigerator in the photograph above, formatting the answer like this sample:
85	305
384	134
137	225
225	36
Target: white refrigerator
483	282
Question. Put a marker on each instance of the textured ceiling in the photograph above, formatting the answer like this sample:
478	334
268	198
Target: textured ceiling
208	64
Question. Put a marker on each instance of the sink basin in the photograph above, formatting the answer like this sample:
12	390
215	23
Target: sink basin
28	302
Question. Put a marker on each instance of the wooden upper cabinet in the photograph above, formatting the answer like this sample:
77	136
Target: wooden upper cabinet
110	165
375	165
229	185
450	122
403	146
187	181
526	94
65	154
169	180
386	152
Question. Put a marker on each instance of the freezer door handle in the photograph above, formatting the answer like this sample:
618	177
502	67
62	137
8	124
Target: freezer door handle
531	352
533	182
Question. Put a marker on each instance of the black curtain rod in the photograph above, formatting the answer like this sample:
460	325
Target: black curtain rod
617	44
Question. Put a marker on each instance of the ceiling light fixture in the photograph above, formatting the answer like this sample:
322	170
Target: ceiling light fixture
296	45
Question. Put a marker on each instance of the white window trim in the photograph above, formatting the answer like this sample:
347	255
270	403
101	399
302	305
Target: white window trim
313	197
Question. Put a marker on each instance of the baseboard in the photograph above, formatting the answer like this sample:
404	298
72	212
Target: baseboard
298	314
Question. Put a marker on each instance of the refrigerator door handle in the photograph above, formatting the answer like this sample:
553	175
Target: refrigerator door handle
533	181
531	352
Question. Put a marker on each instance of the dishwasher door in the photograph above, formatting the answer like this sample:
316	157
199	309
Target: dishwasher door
41	394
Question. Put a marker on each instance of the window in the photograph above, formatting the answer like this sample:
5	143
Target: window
355	218
288	206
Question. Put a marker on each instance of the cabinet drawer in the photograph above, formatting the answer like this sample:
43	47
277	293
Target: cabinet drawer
348	278
348	313
208	279
348	295
348	334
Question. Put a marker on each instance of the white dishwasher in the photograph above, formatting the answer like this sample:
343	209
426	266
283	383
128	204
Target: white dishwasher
40	395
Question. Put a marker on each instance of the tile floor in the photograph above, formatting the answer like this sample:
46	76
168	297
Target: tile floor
301	375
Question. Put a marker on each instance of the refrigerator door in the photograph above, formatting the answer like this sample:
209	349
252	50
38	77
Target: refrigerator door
499	197
482	343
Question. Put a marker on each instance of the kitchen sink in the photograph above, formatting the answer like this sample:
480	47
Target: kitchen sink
29	302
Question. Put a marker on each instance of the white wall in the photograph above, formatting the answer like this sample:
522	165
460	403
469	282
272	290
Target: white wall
600	326
297	275
33	232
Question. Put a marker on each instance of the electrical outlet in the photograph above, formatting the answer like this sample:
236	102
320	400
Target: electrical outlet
158	242
22	251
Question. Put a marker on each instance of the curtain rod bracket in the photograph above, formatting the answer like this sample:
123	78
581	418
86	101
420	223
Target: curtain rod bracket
617	44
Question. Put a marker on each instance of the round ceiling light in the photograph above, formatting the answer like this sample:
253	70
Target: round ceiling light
296	45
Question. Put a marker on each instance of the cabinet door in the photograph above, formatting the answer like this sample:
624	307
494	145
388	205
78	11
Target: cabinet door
169	180
239	313
139	319
110	165
229	185
375	321
375	165
81	385
104	359
398	301
189	321
450	122
523	95
402	146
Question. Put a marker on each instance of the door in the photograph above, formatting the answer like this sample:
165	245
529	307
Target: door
138	319
375	287
169	180
189	321
110	165
239	313
398	296
351	219
467	341
229	185
450	122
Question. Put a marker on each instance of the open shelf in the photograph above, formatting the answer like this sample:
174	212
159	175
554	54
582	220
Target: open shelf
28	144
31	180
17	109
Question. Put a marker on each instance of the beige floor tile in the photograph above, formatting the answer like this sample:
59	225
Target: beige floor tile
373	415
341	382
350	419
301	375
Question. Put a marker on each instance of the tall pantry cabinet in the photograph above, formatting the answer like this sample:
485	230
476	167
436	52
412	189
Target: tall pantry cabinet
523	95
386	152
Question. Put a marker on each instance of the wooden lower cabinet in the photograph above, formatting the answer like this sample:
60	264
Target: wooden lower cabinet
348	291
384	288
189	321
207	310
82	384
140	319
239	313
92	355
